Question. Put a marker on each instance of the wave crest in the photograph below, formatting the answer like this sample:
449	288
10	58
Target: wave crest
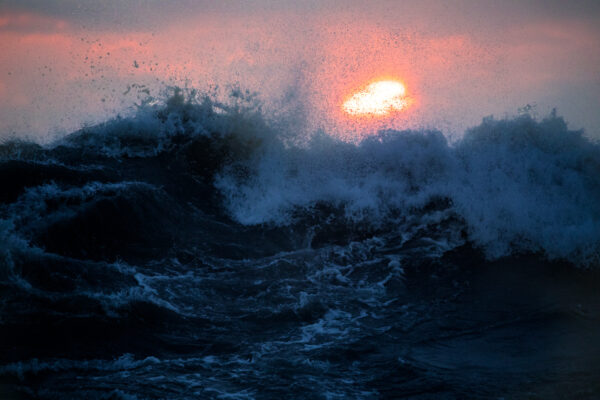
509	186
518	184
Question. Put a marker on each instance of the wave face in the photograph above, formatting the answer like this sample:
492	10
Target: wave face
198	249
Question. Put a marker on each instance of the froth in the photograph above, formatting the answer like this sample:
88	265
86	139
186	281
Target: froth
518	184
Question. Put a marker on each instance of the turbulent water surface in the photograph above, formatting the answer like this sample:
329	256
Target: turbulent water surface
195	251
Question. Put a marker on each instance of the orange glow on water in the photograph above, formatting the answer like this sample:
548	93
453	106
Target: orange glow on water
378	99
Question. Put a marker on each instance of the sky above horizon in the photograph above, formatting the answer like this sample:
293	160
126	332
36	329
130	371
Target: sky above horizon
68	63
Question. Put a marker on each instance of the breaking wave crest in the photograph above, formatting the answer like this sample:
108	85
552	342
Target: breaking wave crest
518	185
510	185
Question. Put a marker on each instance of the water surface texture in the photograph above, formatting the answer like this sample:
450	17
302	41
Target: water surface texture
195	251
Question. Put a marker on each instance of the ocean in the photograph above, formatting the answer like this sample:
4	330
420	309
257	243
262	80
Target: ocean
201	250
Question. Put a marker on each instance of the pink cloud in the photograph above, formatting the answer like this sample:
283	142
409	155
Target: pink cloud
30	22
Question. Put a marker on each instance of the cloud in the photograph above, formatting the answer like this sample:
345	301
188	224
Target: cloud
26	22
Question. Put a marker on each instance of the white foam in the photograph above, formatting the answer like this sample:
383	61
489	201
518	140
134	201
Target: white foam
519	184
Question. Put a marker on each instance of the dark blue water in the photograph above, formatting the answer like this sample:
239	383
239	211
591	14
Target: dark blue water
193	251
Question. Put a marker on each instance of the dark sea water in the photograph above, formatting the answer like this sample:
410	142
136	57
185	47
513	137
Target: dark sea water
199	251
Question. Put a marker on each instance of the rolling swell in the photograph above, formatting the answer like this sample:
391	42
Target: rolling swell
196	246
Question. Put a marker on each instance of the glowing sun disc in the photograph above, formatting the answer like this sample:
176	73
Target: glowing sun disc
377	99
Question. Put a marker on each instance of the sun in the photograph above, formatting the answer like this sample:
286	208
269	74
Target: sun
377	99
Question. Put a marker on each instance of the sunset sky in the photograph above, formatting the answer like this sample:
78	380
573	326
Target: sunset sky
68	63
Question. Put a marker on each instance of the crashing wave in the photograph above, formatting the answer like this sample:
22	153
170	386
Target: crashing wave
514	185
